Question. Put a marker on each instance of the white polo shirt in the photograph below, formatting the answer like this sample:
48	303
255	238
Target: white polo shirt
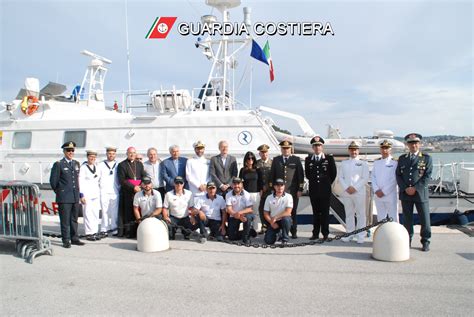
238	202
147	203
276	205
211	207
178	204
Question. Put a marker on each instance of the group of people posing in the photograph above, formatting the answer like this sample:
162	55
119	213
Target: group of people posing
196	193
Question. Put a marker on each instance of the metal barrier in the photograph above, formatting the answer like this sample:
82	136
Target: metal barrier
21	219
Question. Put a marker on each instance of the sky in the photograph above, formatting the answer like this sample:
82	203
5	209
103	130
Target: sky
404	66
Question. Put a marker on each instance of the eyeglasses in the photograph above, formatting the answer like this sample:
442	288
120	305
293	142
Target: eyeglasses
69	150
178	183
250	158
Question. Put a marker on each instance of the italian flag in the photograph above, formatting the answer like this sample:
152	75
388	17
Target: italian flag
266	51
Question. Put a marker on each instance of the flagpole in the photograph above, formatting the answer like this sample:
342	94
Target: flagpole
129	95
251	83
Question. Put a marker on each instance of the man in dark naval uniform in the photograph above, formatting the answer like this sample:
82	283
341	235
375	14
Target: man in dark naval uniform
64	180
288	167
264	165
320	170
413	173
130	173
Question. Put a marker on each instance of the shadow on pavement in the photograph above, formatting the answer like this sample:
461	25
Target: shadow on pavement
351	255
124	246
467	256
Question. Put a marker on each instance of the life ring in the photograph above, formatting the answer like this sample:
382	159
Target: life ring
29	105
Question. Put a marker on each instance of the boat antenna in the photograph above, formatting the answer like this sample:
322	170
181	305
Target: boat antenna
129	95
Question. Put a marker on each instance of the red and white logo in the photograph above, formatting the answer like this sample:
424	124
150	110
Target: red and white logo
161	28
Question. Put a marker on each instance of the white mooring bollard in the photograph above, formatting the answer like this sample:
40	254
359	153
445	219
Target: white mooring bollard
152	236
391	243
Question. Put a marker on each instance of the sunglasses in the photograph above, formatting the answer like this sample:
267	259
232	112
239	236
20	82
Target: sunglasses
70	150
251	158
179	183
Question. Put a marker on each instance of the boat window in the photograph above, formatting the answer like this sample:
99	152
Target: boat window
21	140
79	137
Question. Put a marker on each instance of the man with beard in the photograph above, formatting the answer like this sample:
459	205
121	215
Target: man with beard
197	170
130	173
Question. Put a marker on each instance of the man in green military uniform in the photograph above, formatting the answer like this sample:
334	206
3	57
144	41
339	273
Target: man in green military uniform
264	165
413	173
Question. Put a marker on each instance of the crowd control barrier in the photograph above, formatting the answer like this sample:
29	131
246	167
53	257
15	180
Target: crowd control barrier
21	219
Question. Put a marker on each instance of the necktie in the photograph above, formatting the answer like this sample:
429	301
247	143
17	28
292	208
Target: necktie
412	157
284	160
317	158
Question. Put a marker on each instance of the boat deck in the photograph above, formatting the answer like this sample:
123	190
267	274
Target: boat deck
110	277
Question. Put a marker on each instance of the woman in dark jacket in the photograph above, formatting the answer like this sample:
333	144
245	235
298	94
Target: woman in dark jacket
250	176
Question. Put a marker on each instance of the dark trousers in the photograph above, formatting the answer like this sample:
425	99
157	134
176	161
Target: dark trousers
68	214
162	191
213	226
233	229
423	210
284	225
260	209
294	223
184	222
320	214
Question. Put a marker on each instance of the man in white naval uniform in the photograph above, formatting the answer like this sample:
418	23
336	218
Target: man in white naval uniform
353	177
109	192
90	196
197	170
384	183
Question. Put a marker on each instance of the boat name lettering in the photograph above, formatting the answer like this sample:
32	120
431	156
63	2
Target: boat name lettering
259	28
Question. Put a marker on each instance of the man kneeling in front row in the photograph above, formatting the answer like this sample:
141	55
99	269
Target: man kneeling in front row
277	211
147	202
176	210
239	208
209	209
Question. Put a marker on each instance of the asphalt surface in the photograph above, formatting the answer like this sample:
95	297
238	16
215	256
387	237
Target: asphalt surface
109	277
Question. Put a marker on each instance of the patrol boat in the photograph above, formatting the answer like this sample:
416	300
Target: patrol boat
39	120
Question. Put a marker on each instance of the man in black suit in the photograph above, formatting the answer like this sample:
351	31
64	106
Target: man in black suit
413	174
320	170
64	180
288	167
223	168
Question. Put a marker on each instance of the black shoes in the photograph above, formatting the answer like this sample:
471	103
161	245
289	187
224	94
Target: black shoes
425	247
78	242
67	244
314	237
253	233
293	235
